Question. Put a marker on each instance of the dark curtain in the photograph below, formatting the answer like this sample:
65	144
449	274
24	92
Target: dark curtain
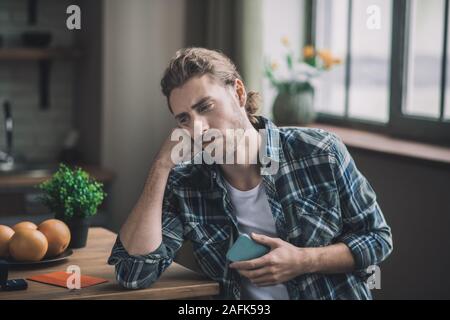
231	26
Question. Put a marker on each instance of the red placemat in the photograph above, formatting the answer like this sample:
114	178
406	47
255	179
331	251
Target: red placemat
59	278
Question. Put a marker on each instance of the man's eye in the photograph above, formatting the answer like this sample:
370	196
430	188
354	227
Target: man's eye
182	121
205	108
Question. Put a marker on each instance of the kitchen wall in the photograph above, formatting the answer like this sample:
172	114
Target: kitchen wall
139	36
38	134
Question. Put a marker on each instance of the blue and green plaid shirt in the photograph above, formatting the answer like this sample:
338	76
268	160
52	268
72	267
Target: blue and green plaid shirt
317	197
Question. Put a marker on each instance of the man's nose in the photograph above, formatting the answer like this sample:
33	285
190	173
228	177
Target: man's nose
201	126
205	125
203	122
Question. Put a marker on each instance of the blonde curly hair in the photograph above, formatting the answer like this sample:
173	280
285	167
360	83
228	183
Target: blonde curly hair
193	62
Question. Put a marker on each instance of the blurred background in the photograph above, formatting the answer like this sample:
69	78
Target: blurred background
91	97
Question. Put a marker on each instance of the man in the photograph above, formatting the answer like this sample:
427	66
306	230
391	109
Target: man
316	211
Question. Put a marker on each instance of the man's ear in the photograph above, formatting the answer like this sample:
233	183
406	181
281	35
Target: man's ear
241	93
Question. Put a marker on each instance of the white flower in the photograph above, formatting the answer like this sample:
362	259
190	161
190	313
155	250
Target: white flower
305	70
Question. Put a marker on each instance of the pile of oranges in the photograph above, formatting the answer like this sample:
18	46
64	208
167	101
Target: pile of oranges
27	241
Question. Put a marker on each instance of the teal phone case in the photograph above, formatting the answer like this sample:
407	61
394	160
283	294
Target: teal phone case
246	248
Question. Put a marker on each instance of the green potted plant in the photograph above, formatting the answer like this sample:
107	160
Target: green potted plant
73	196
294	103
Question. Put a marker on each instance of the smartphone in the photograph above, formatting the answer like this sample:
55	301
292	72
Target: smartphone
245	248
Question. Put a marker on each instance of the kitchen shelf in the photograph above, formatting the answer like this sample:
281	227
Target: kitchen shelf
44	58
10	182
38	53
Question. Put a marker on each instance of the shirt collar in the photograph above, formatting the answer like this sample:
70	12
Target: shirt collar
271	141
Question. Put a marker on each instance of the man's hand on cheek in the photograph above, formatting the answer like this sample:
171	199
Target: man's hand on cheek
284	262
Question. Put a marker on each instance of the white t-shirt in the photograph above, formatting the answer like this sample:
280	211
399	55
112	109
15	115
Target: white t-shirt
253	214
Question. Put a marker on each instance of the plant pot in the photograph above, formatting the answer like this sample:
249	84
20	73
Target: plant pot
294	106
79	228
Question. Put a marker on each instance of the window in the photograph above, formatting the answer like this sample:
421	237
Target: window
425	52
394	77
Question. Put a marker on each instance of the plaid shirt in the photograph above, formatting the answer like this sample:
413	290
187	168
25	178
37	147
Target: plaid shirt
317	197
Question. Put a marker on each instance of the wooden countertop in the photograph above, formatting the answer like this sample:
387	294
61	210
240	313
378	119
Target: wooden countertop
23	180
176	282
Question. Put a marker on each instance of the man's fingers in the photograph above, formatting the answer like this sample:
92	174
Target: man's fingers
253	274
264	280
251	264
266	284
268	241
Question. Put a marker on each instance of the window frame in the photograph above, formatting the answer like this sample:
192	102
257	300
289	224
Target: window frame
399	124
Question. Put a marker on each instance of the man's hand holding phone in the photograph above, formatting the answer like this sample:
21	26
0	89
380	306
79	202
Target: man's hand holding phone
284	262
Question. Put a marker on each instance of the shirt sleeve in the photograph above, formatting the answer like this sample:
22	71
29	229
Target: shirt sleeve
365	230
141	271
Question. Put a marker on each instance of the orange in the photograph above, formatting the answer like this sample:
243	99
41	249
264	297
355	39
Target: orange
28	245
24	224
5	235
57	234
